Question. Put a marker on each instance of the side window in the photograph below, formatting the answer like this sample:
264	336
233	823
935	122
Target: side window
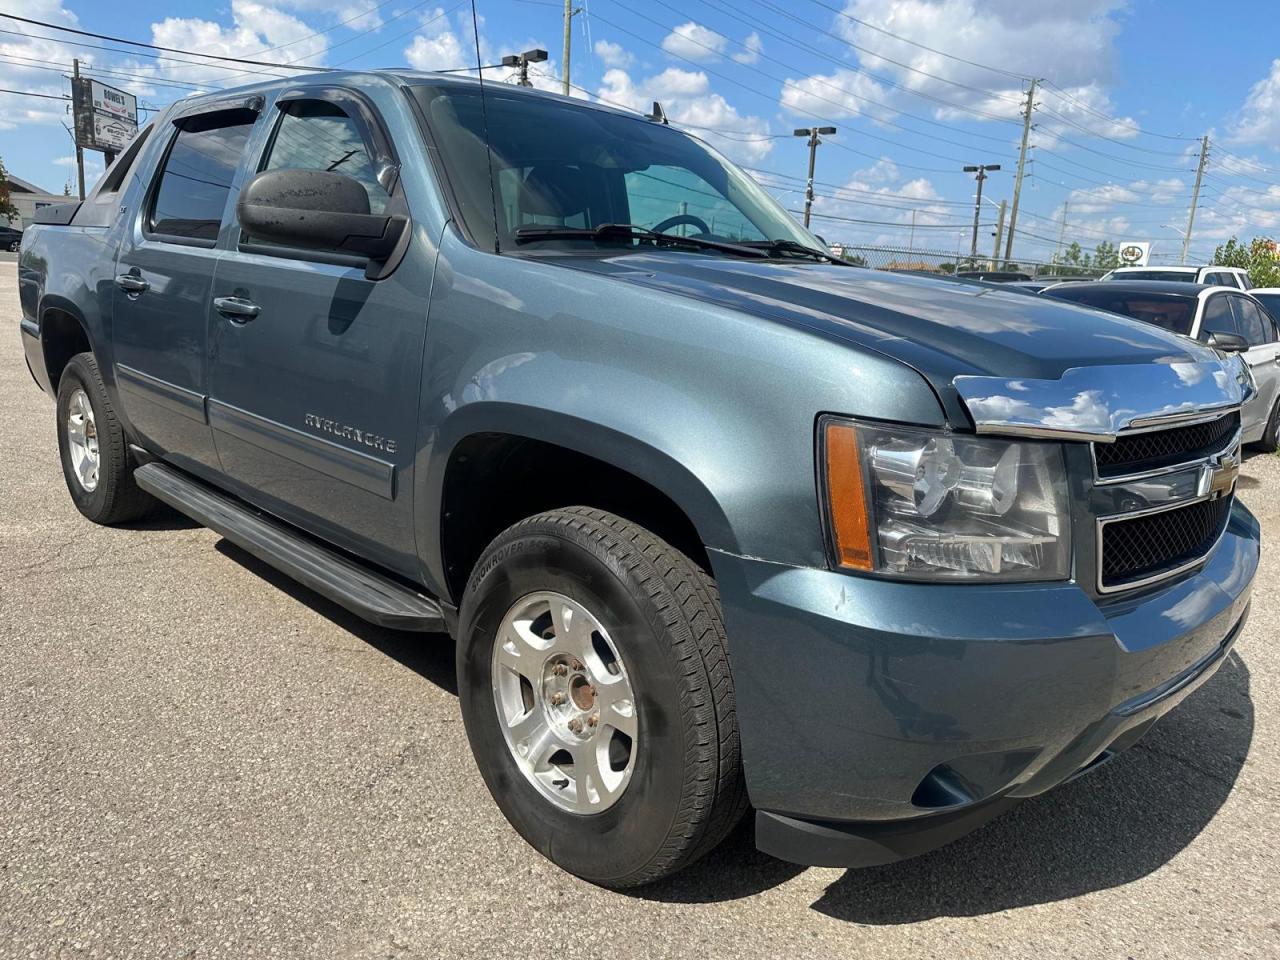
1244	281
316	135
1218	317
1252	323
1220	279
197	174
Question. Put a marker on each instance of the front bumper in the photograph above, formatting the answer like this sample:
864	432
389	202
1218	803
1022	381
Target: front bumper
882	719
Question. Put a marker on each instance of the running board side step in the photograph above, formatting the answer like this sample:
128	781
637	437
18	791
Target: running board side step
363	591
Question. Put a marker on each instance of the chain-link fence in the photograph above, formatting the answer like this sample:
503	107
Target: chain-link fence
903	259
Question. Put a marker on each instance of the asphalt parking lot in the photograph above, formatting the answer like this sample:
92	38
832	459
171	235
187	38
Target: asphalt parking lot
200	759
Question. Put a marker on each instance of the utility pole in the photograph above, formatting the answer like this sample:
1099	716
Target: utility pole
911	237
1062	231
75	87
981	171
812	134
1195	195
569	13
522	61
995	251
1022	162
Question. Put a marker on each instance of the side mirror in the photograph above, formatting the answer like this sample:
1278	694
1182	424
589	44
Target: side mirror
1228	342
318	210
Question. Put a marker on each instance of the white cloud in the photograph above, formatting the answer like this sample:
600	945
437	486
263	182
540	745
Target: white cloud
439	47
693	41
613	54
754	46
1073	43
23	60
687	98
840	94
1259	117
256	29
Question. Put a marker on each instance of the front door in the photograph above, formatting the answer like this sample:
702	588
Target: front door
164	273
315	367
1263	354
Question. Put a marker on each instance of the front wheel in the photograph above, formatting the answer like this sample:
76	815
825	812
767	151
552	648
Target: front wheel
597	697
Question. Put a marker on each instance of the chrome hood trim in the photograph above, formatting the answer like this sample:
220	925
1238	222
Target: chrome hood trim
1099	403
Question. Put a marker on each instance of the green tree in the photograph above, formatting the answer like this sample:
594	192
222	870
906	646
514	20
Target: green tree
7	209
1105	256
1260	258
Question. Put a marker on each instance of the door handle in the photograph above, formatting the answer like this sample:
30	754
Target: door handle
132	283
236	308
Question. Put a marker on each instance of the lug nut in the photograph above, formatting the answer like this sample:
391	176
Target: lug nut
575	725
577	665
560	670
557	699
593	720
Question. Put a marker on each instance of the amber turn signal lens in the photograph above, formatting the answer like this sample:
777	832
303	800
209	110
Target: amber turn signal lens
847	500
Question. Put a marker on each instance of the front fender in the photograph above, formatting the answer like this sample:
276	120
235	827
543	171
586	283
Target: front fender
712	406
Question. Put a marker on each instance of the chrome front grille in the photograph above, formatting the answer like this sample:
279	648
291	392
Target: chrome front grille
1136	549
1157	449
1163	499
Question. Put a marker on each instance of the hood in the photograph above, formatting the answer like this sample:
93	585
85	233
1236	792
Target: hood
942	328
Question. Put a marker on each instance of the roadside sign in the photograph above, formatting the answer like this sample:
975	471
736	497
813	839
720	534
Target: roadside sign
115	103
1134	253
106	119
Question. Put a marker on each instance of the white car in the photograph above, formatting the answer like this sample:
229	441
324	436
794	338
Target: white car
1221	316
1215	276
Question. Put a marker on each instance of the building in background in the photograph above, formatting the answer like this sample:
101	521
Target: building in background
29	198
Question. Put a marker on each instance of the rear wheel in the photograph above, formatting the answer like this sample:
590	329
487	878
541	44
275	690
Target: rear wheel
91	442
597	697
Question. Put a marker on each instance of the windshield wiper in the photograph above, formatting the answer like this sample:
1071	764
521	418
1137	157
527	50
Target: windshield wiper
630	231
773	247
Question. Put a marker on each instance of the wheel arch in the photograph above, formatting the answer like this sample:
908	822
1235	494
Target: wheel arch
498	463
63	333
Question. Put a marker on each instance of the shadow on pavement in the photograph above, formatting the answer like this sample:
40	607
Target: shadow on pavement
1114	826
429	655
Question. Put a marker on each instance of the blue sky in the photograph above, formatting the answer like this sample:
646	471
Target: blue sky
917	88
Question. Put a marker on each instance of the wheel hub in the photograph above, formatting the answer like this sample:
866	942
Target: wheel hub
82	441
565	702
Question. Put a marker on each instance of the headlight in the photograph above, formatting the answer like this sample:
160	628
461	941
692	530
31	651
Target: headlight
921	504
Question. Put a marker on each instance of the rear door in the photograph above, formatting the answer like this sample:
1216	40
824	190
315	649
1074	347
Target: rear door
164	272
315	367
1257	326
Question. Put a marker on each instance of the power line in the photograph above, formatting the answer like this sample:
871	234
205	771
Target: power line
152	46
942	53
28	93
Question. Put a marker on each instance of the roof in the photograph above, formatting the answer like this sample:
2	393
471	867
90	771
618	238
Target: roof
1174	288
1179	269
18	185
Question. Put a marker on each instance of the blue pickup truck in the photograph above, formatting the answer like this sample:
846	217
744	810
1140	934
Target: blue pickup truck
715	521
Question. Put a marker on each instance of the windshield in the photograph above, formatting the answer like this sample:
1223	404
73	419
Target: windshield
559	164
1178	276
1171	312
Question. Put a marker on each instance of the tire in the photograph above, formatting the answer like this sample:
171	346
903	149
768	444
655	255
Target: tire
661	614
1270	441
109	495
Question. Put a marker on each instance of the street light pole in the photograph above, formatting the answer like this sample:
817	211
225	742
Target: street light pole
981	171
812	134
522	61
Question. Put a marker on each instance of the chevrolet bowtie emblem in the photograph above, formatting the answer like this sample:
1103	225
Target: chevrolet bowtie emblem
1218	476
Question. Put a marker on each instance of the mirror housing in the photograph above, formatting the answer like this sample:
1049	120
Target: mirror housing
1228	342
318	210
